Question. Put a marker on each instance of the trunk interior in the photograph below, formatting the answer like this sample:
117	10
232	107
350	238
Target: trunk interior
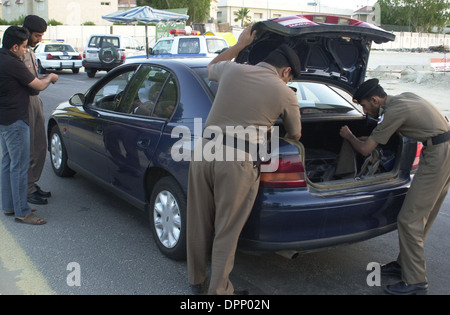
321	147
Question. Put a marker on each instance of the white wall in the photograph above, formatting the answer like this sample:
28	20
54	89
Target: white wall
77	36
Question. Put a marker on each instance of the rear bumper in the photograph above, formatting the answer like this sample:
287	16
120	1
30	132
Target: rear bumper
61	64
100	66
297	220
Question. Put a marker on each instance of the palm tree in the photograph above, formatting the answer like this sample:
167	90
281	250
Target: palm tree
243	16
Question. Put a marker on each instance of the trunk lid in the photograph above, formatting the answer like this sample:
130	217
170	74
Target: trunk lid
333	50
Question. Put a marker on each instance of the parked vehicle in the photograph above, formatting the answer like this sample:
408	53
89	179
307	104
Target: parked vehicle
181	44
105	52
123	132
57	56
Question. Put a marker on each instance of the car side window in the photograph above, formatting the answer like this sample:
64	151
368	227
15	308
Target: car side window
110	94
154	93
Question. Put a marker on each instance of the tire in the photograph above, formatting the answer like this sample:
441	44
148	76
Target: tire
58	154
76	70
40	69
108	55
168	218
91	73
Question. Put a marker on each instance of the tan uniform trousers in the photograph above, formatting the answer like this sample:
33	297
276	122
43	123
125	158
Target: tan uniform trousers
220	198
38	142
420	209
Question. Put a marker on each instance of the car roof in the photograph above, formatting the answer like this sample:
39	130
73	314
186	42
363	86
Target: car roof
197	62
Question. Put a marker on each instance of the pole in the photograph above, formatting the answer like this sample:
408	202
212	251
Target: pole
146	41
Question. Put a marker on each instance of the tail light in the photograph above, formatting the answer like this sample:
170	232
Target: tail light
77	57
415	165
84	55
49	57
122	55
290	174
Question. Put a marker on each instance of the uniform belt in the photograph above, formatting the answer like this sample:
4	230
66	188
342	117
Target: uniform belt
237	144
444	137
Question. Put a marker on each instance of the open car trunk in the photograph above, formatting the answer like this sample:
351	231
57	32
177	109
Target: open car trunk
321	150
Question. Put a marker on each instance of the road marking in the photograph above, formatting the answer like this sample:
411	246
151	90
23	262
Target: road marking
29	279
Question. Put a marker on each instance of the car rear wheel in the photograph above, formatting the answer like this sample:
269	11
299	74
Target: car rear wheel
41	70
58	154
91	72
168	218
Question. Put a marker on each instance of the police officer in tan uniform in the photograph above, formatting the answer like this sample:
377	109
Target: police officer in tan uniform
415	118
221	192
38	138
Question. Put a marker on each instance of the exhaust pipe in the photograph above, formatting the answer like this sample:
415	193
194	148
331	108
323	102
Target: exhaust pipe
289	254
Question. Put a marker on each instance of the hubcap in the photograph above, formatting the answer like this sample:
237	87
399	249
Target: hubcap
167	220
56	151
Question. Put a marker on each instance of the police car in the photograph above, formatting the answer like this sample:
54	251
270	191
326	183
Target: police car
57	55
183	44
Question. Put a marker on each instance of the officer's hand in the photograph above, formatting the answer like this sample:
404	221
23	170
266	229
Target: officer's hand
345	132
247	36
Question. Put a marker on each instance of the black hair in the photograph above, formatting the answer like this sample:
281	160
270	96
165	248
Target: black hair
14	35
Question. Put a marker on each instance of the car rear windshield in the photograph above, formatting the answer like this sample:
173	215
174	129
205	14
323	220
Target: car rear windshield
102	41
55	48
313	98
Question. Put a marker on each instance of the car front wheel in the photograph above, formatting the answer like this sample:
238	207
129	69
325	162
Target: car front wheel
58	154
168	218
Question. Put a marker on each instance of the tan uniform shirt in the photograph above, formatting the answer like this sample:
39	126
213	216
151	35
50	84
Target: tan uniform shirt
29	59
252	96
410	115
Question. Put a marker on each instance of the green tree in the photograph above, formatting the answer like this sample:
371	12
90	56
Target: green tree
243	15
419	15
198	10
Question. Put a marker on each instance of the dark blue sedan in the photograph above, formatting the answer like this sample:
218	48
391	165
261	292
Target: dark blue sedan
124	132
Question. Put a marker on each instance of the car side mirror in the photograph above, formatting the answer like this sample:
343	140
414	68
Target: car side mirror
77	100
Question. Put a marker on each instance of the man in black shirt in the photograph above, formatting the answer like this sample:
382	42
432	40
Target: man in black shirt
15	79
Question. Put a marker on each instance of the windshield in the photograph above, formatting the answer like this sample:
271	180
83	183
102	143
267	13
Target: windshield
163	47
216	45
313	98
319	98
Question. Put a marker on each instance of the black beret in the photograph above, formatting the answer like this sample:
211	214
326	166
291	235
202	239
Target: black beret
365	89
35	24
288	54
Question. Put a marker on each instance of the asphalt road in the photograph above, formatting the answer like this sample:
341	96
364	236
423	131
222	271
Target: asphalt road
95	243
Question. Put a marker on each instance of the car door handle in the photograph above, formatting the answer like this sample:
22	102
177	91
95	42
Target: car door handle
143	143
99	131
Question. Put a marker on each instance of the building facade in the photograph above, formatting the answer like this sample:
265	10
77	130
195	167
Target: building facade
73	12
261	10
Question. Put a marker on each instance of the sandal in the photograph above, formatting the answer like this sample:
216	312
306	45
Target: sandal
11	213
32	219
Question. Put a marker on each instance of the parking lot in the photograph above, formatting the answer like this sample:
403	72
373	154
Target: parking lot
97	238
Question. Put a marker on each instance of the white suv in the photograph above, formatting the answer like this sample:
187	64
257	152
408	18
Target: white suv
105	52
